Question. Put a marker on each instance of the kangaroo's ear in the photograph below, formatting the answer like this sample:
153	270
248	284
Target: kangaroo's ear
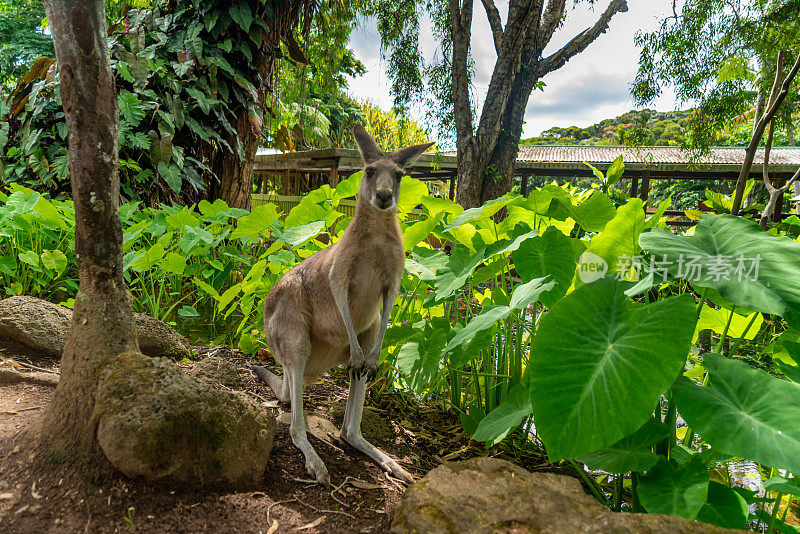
370	151
406	156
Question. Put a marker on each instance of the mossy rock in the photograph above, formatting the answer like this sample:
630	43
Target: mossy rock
156	423
491	495
216	370
374	426
44	327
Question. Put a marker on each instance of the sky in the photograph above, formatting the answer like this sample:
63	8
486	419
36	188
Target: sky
593	86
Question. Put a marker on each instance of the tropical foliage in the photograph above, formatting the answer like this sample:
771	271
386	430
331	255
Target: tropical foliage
546	325
183	73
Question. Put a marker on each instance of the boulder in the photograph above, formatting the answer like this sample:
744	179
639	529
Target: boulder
375	426
156	423
44	326
491	495
216	370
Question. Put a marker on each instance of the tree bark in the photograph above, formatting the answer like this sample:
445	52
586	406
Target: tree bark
778	95
487	156
102	323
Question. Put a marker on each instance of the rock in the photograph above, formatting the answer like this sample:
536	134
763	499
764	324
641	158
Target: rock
491	495
158	339
216	370
156	423
374	426
36	323
44	326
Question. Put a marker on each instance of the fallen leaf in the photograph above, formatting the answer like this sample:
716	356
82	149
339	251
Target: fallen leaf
317	522
5	496
270	404
273	527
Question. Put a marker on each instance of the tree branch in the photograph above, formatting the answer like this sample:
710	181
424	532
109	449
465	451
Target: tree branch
461	33
579	43
550	20
769	113
495	23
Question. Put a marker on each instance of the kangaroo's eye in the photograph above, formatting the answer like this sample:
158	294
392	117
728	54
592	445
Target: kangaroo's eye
368	172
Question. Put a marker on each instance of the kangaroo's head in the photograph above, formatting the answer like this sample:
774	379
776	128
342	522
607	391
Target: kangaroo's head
383	172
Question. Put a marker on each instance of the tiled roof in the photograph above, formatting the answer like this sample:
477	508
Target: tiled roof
653	155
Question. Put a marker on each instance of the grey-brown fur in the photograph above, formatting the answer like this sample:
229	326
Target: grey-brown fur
334	306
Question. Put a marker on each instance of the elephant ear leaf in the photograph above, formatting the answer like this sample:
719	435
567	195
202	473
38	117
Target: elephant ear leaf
746	265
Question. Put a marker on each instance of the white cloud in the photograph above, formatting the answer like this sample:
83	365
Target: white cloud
593	86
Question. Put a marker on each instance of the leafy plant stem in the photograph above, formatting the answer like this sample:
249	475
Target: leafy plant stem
741	338
589	481
774	515
618	487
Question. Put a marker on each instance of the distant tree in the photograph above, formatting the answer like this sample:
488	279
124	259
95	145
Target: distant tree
23	38
722	54
487	148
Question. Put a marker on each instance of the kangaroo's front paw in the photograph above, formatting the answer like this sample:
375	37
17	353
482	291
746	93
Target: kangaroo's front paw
317	469
356	363
371	368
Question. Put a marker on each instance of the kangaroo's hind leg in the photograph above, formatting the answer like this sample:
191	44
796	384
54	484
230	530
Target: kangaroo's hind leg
351	426
279	385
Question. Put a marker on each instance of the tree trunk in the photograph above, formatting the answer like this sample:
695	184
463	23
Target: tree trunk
102	323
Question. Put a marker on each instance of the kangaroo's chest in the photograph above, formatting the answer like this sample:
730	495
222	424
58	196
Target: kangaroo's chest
378	270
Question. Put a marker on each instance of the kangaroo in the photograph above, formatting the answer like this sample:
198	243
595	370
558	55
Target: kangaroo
333	308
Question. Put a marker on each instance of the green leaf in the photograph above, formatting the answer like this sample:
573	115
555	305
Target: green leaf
173	263
594	213
48	212
205	286
790	486
171	175
671	490
130	107
614	172
228	296
241	15
258	222
631	453
185	217
54	260
618	243
194	236
744	412
717	320
419	358
29	257
297	235
507	416
146	261
599	369
481	212
188	311
551	253
728	250
418	231
412	191
724	508
349	186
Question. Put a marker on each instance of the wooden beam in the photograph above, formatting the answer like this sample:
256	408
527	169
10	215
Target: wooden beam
523	184
452	187
634	191
334	175
645	190
285	179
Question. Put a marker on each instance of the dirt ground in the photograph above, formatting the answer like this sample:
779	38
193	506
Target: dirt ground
41	495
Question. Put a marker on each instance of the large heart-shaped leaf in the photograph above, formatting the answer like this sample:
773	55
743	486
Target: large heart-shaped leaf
508	414
599	368
631	453
671	490
552	254
618	243
257	222
744	412
725	507
748	266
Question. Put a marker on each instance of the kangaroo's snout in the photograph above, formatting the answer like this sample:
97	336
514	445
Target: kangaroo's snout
383	198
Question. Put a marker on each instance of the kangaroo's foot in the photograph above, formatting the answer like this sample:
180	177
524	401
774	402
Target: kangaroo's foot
380	457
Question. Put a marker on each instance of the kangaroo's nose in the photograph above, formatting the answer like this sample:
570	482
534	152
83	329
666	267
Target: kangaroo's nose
384	197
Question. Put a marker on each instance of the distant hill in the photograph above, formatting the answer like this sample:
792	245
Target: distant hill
639	127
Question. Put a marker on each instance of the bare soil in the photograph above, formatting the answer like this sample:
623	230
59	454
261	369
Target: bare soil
47	494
